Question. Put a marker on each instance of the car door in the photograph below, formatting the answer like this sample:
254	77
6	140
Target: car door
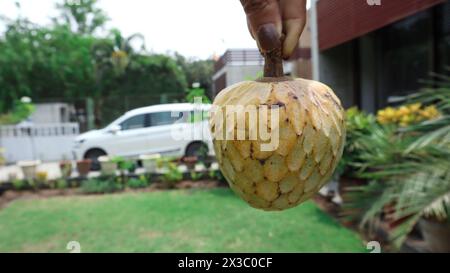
160	137
132	139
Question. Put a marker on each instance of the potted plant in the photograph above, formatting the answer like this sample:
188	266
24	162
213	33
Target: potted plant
66	168
407	163
20	185
41	179
124	165
149	162
12	176
29	168
195	176
2	157
84	167
172	175
436	233
190	162
131	167
108	166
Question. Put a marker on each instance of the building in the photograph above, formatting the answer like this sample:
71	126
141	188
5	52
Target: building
300	61
238	65
51	113
371	52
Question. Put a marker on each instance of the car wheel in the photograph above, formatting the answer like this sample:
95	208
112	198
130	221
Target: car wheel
93	155
197	149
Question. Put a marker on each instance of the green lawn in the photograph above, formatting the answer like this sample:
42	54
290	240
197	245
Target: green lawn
177	221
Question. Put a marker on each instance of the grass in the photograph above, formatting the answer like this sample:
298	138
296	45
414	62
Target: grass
176	221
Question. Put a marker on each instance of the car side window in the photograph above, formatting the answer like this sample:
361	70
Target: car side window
163	118
136	122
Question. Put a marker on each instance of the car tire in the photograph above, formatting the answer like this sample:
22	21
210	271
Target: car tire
197	149
93	155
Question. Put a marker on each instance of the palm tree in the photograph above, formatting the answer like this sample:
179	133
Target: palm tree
412	175
112	57
116	52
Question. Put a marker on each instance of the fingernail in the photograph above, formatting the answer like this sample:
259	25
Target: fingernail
268	37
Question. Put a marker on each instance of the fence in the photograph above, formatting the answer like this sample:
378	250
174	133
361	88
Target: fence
46	142
239	57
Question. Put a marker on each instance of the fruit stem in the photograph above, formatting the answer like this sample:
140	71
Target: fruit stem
273	67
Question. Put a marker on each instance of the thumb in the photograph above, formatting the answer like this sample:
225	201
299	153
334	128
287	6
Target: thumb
293	29
294	20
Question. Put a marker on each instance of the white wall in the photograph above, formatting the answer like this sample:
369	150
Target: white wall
237	73
50	113
46	142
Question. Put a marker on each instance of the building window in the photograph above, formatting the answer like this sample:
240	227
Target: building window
443	38
406	52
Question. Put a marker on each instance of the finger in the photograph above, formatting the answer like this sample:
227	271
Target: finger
264	19
293	14
293	29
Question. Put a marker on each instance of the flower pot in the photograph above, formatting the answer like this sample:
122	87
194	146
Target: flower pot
190	162
66	168
209	161
149	162
436	235
12	177
108	167
29	169
84	167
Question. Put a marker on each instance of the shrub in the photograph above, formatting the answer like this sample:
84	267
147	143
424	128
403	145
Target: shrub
2	157
20	184
407	165
195	176
124	165
406	115
140	183
41	177
359	124
22	109
61	184
172	175
220	177
100	185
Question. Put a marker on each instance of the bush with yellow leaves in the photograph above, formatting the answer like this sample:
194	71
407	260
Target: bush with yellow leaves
407	114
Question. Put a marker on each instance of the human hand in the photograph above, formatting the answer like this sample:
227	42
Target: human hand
276	23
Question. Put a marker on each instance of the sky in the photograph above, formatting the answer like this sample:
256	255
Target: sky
195	28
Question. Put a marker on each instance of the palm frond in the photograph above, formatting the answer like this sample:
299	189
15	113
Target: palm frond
436	131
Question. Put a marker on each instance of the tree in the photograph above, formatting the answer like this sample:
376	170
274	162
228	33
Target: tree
148	80
44	63
83	16
112	57
197	71
59	63
116	51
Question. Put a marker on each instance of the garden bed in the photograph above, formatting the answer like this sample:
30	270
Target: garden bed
11	195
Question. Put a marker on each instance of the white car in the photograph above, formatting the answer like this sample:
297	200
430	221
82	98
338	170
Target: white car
168	129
